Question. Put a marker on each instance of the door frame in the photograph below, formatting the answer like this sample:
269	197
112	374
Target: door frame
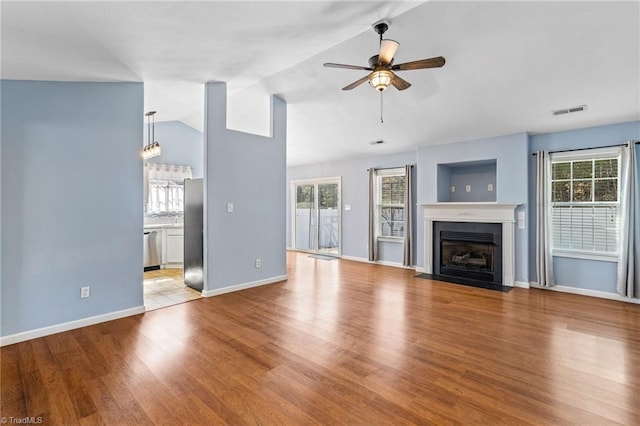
293	197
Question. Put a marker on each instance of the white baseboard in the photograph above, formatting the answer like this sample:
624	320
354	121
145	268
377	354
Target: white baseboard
244	286
66	326
587	292
420	269
378	262
521	284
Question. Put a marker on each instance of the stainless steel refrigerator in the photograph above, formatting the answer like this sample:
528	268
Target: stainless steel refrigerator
193	235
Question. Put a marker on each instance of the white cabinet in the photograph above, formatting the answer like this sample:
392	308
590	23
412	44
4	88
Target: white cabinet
174	246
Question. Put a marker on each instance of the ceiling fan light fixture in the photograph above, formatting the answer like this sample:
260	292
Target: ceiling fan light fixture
380	79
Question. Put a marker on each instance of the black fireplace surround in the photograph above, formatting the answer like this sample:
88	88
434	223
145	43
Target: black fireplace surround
469	251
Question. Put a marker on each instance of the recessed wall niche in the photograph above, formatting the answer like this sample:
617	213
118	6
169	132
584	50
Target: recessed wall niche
467	182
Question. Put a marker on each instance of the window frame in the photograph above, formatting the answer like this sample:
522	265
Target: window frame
397	171
592	155
173	194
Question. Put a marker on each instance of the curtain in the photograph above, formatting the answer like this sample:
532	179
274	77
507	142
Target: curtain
628	281
544	259
373	246
168	172
408	216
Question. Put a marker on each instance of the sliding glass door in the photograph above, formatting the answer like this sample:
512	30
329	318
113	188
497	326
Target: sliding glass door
316	215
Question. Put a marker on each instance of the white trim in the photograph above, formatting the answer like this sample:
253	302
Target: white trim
378	262
244	286
588	153
587	292
396	240
521	284
70	325
585	255
420	269
395	171
503	213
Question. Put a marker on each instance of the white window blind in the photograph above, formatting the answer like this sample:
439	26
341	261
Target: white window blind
585	211
390	203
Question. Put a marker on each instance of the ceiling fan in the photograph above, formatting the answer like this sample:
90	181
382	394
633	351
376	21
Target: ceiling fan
381	65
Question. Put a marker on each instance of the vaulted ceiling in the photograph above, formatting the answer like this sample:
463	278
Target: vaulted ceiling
509	64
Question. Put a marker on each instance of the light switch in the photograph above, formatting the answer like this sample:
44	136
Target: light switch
521	222
229	207
347	207
520	215
468	188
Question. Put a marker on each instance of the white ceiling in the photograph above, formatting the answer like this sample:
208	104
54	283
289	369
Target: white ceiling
509	64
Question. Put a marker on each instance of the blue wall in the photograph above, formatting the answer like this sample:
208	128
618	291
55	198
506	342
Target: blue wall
509	152
355	192
71	201
587	274
181	144
249	171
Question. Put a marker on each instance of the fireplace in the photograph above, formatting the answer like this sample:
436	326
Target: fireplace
468	250
498	214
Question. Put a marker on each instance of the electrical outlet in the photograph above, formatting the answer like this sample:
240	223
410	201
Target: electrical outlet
453	188
468	188
229	207
84	292
258	263
490	187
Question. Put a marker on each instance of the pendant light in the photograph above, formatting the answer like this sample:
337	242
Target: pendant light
152	148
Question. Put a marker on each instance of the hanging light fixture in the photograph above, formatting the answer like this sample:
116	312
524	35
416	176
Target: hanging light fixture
152	148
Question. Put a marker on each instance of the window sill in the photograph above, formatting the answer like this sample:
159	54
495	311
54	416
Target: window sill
391	240
586	256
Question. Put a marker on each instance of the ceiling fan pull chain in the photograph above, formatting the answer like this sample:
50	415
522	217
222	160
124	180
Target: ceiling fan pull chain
381	110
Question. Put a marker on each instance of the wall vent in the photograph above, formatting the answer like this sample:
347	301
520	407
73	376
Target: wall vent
569	110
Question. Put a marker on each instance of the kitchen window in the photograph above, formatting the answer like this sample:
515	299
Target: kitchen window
390	204
165	187
585	203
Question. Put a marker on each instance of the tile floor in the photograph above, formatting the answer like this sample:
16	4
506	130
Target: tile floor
165	287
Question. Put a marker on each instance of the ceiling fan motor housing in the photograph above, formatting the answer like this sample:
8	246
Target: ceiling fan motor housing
381	26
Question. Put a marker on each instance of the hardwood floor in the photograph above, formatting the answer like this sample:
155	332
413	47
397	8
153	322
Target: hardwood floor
341	342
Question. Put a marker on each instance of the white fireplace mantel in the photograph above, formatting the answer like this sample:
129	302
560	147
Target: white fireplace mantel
474	212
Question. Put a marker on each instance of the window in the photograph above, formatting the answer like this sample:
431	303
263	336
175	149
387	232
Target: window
390	203
165	186
165	196
585	207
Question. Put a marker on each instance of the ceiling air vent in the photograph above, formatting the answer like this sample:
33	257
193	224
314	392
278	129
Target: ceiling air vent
376	142
569	110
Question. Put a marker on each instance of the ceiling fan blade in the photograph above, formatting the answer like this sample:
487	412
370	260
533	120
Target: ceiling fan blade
347	67
436	62
400	83
388	50
356	83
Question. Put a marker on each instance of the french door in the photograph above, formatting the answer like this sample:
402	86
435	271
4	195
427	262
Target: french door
316	215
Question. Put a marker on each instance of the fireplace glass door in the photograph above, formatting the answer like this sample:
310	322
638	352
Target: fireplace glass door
468	250
467	255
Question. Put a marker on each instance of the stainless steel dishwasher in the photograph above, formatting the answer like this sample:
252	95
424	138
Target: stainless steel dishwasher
152	257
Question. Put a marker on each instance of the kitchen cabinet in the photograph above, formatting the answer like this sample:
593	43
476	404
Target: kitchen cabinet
174	247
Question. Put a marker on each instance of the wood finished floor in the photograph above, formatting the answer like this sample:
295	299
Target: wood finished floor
340	342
